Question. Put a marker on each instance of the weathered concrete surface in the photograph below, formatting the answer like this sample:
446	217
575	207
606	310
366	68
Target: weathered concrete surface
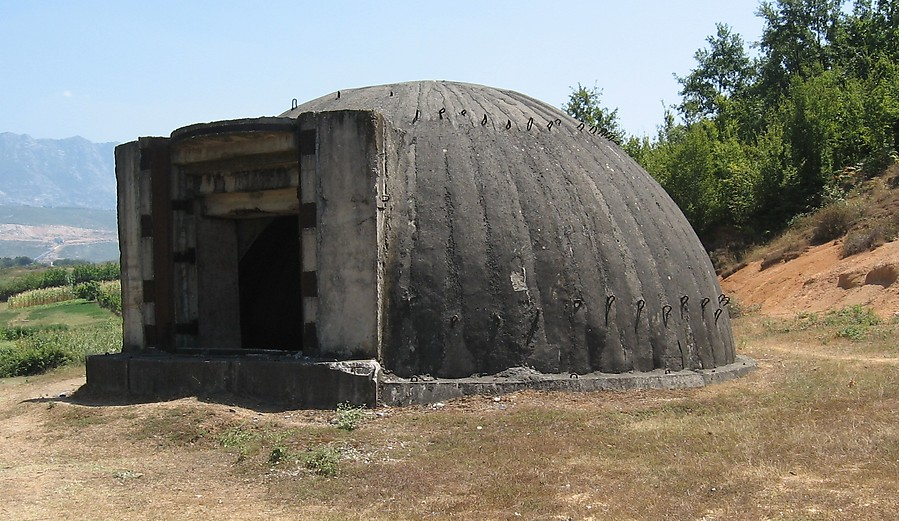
299	383
513	235
404	391
346	250
303	383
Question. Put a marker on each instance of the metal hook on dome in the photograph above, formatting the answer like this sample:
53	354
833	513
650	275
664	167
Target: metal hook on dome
464	112
338	94
293	104
484	121
391	94
573	375
609	301
704	301
549	126
508	124
683	301
417	114
640	305
666	312
725	302
441	112
721	297
530	123
718	314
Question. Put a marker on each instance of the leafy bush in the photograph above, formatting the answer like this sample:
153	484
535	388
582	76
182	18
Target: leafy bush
36	359
109	296
52	347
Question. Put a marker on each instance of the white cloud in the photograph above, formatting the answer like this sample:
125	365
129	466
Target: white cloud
67	94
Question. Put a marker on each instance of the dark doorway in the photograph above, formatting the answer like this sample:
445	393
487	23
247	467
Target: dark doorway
269	284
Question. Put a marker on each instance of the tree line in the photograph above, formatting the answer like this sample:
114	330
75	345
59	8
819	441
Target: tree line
759	139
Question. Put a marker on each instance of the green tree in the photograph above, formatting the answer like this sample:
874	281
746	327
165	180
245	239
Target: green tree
586	105
796	41
723	70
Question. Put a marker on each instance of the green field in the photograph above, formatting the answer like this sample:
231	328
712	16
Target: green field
72	313
39	338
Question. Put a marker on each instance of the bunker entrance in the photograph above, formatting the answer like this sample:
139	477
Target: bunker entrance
269	288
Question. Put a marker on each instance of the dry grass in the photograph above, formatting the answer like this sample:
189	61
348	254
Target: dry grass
810	435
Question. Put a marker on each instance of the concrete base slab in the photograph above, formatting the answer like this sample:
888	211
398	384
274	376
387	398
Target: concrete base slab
304	383
285	380
403	391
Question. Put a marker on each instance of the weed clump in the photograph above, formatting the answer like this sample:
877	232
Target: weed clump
323	460
349	416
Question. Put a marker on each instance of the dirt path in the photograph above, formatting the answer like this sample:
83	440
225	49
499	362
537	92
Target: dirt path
64	461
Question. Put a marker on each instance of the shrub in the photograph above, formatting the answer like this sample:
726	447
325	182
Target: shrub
832	222
109	296
15	361
52	347
858	241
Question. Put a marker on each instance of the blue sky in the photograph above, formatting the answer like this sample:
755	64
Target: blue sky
116	70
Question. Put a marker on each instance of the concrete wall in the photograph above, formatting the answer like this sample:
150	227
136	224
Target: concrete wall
129	196
344	253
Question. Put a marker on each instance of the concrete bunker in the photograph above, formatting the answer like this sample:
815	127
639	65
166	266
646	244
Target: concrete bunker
403	243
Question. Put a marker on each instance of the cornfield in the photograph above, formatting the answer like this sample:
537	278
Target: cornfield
38	297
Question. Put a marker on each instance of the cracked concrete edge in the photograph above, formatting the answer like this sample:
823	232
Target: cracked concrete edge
395	391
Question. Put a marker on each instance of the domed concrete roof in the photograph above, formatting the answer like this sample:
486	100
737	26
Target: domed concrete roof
517	236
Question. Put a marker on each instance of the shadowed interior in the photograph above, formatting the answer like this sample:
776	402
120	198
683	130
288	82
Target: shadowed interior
269	278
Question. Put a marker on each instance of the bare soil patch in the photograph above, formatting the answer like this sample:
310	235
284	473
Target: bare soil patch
819	280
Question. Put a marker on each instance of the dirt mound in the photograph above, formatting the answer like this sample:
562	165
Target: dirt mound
819	280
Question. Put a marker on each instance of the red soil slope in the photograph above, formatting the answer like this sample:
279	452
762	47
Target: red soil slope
819	280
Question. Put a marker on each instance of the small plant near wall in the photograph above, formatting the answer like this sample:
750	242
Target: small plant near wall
349	416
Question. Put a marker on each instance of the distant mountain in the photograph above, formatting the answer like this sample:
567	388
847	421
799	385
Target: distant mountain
71	172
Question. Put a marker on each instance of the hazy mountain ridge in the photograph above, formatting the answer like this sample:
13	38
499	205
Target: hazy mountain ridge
72	172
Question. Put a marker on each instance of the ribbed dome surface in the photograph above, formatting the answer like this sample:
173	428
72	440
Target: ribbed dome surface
517	236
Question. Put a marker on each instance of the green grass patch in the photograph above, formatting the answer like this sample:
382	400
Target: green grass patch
72	313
